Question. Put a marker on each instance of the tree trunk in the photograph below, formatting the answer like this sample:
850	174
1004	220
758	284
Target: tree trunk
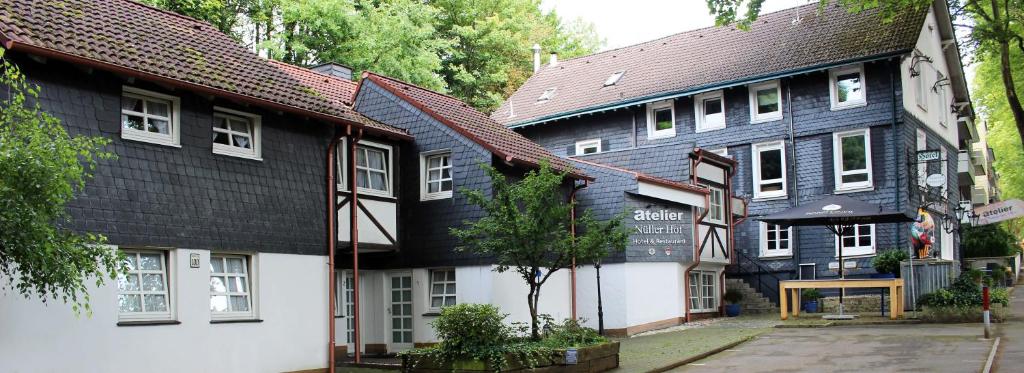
1011	89
532	302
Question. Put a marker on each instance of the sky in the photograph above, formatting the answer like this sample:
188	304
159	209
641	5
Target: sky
623	23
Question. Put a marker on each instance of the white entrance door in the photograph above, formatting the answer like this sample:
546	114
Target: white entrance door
400	311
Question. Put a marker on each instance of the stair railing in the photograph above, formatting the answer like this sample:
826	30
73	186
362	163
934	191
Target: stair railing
755	271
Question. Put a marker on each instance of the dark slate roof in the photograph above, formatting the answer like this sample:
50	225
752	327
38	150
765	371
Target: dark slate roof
642	177
478	127
707	58
138	40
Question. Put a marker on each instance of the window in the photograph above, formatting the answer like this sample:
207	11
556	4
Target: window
710	111
661	121
765	102
769	170
703	291
920	88
943	106
775	240
230	287
149	116
847	88
344	302
716	211
442	288
588	146
858	240
851	154
437	175
236	133
547	95
373	168
614	78
144	290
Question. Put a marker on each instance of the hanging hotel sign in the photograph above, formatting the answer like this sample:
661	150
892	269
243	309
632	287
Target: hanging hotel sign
1000	211
935	180
928	155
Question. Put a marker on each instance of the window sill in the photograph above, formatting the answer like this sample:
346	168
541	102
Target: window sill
854	190
238	321
432	314
709	129
436	196
229	153
659	136
837	107
148	322
769	198
766	119
148	140
854	256
775	257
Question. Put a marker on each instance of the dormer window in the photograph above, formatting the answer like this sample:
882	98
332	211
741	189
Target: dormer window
614	78
547	95
710	111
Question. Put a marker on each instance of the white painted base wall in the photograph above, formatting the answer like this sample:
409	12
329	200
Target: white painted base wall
293	335
632	293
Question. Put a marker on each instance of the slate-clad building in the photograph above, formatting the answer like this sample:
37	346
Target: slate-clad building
809	102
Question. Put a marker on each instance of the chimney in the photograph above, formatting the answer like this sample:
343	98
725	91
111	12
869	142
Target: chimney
334	69
553	60
536	57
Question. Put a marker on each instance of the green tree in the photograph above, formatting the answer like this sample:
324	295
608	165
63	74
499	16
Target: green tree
987	241
993	27
41	168
526	228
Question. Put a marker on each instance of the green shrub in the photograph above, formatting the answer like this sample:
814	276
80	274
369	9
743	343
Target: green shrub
570	333
732	296
888	261
987	241
964	292
957	314
811	294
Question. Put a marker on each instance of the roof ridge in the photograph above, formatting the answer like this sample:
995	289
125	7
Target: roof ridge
172	13
368	72
715	26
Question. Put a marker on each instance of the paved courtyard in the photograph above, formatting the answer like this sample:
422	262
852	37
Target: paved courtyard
888	348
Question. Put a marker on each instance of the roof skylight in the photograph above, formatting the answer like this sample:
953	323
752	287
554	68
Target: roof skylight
547	95
614	78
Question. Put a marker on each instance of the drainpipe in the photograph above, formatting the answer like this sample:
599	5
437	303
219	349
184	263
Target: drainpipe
353	230
633	117
572	228
796	170
895	151
696	234
332	243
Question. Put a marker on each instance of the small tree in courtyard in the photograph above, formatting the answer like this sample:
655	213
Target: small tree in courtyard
526	228
41	168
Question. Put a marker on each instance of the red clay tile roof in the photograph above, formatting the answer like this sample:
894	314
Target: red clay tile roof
137	40
502	142
712	57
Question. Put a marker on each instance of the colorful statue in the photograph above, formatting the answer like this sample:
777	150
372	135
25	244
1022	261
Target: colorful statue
922	233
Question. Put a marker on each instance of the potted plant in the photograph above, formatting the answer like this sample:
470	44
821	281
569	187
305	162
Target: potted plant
811	297
887	263
732	298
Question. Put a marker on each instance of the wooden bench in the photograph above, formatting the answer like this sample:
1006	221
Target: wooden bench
895	286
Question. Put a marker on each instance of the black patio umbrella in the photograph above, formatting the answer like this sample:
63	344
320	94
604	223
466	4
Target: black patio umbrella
838	213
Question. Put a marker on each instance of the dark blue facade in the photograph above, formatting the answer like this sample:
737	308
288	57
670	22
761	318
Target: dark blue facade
806	128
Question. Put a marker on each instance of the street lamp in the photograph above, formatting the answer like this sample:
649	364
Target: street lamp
600	309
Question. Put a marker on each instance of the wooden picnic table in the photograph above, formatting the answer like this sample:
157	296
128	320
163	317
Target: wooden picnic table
895	286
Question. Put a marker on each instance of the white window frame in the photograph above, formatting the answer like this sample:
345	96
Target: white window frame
444	296
756	150
834	88
343	292
700	291
716	208
169	288
837	162
920	88
769	252
857	250
343	167
756	117
173	138
255	151
584	144
665	133
943	105
702	124
425	172
252	278
614	78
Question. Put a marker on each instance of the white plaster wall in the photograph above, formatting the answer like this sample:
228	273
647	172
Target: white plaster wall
386	214
929	43
613	290
654	292
292	304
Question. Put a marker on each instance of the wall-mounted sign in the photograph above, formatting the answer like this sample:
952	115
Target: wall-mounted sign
935	180
849	264
193	260
928	155
659	228
570	356
999	211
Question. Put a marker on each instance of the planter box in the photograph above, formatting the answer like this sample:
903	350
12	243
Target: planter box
591	359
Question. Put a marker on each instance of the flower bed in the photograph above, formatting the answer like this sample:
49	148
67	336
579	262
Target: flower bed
590	359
